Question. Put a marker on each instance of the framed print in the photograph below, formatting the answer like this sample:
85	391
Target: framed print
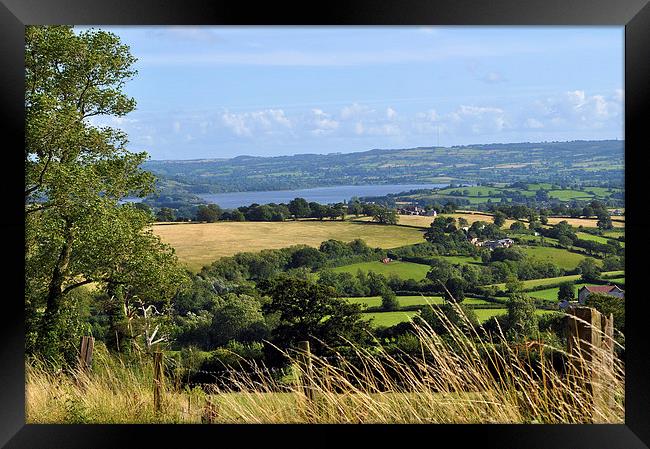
414	216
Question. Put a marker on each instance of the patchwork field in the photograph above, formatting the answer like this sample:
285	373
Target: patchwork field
538	282
424	221
198	244
560	257
405	270
393	318
550	294
375	301
586	222
389	318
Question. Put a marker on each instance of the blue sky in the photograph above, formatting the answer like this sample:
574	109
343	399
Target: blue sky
209	92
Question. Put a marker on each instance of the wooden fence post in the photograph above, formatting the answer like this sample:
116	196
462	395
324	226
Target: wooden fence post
590	340
86	353
305	361
157	380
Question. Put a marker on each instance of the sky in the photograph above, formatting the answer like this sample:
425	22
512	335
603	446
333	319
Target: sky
221	92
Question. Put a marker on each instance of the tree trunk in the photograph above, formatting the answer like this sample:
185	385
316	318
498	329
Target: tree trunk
55	291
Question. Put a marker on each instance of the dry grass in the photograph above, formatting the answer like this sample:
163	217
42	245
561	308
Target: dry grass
453	384
424	221
198	244
586	222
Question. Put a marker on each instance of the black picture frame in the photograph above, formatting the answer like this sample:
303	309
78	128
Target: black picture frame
15	14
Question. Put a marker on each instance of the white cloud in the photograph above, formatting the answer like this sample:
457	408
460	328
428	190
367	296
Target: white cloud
322	123
267	121
391	113
355	110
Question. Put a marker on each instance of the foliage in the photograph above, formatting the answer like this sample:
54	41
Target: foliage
77	232
309	311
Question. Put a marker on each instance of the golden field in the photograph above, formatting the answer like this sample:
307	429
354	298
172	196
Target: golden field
198	244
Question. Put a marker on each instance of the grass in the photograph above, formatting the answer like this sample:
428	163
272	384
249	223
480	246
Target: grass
586	222
550	294
452	385
424	222
404	270
198	244
388	319
375	301
531	283
560	257
593	238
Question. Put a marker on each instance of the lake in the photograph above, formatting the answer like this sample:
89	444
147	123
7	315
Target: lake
323	195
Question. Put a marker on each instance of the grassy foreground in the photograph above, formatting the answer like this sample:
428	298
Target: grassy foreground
454	385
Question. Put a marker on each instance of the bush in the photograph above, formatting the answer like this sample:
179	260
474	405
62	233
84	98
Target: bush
389	301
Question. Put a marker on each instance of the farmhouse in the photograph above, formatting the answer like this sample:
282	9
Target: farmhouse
492	244
386	260
416	210
611	290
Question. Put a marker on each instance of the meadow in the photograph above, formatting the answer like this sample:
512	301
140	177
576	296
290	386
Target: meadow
198	244
404	270
453	387
560	257
405	301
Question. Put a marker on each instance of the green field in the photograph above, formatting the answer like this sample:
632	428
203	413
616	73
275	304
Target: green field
560	257
392	318
389	318
568	195
405	270
537	282
198	244
550	294
461	259
618	280
375	301
485	314
594	238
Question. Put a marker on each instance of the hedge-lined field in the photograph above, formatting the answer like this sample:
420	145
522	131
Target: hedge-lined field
404	301
198	244
405	270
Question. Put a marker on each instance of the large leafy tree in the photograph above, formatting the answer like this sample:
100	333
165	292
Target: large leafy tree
310	311
76	173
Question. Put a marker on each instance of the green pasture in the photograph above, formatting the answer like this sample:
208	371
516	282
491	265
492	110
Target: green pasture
405	270
389	318
375	301
560	257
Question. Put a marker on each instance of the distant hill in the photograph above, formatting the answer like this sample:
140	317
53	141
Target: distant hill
590	162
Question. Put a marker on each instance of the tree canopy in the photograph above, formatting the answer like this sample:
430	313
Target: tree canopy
76	173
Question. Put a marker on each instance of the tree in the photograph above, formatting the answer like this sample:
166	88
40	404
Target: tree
522	320
455	289
607	304
75	176
566	292
589	270
604	221
165	214
385	215
499	218
389	301
514	285
517	226
306	257
240	318
299	208
209	213
308	311
448	315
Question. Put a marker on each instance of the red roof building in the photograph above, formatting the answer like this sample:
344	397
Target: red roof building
612	290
